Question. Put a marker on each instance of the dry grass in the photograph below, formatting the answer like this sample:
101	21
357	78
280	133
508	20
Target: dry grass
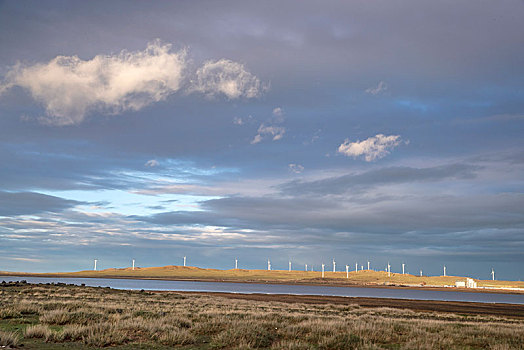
100	317
8	339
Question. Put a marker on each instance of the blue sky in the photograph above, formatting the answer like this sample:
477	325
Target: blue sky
382	131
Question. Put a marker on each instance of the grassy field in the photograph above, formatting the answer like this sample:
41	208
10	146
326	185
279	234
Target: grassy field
58	317
364	277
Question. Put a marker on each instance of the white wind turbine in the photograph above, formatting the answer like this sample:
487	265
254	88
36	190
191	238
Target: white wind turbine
322	270
94	269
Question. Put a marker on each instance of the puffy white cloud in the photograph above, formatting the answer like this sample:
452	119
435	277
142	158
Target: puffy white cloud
296	168
69	87
269	130
381	87
152	163
374	147
225	77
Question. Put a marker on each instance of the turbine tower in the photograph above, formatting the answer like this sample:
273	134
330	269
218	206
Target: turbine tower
184	261
268	265
444	270
420	273
322	270
403	267
492	274
389	270
289	265
368	265
356	267
236	264
334	265
94	269
306	267
347	271
133	264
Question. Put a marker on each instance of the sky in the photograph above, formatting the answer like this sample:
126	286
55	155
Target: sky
381	131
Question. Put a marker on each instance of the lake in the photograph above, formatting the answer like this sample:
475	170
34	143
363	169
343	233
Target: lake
250	288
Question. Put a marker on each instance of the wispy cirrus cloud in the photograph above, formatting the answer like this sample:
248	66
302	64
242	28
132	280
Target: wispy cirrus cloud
375	147
381	87
152	163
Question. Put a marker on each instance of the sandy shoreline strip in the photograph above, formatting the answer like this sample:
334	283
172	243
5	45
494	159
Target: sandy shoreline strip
460	307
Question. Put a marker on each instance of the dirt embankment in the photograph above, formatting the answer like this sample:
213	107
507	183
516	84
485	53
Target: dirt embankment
469	308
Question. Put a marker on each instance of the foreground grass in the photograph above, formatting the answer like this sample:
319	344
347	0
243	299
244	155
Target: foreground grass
363	277
57	317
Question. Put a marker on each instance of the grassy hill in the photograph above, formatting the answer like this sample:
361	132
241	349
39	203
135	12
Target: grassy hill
364	277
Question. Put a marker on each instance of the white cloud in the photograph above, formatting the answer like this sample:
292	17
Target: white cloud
296	168
242	121
381	87
70	87
269	130
375	147
238	121
225	77
152	163
277	112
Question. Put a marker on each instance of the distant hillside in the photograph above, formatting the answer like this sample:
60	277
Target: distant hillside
364	277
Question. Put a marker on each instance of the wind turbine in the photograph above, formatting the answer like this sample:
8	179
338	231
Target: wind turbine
306	267
322	270
444	270
356	267
133	264
347	271
184	261
236	264
289	265
492	274
403	267
334	265
95	265
389	270
420	273
268	265
368	265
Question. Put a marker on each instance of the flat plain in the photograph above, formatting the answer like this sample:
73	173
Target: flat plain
66	316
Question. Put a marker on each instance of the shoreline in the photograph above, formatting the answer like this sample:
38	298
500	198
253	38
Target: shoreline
462	307
325	283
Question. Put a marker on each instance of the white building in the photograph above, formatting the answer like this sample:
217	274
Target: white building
470	283
460	284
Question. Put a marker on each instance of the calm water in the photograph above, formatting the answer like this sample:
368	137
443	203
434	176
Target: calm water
249	288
